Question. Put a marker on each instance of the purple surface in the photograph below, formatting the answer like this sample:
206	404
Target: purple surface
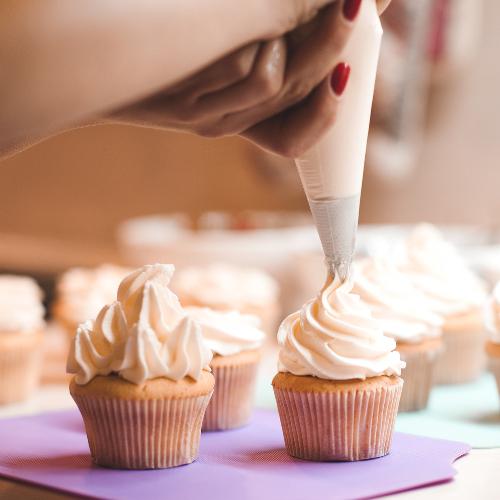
248	463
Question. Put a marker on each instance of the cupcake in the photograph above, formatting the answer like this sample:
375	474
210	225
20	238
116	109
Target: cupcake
492	323
82	292
21	337
403	312
235	340
142	380
226	287
337	388
454	292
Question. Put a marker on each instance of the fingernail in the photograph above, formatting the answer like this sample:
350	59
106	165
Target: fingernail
350	9
340	75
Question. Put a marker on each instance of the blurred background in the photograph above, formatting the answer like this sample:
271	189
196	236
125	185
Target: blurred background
433	155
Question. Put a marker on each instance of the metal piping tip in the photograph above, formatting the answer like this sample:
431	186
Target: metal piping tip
337	222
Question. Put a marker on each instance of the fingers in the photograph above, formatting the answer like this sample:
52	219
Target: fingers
263	83
226	72
293	132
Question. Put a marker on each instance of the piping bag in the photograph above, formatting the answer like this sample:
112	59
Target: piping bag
332	171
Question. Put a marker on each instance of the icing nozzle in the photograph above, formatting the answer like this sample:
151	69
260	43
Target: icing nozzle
337	222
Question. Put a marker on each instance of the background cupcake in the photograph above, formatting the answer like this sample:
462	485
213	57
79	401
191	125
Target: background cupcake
21	337
81	293
403	313
235	340
454	292
142	361
337	390
492	323
226	287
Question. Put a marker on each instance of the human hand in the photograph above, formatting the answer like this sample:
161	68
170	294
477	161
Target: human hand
278	93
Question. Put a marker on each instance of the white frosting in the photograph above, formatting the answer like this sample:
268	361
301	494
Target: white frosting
334	337
228	332
492	314
82	292
21	309
224	286
144	334
392	298
437	269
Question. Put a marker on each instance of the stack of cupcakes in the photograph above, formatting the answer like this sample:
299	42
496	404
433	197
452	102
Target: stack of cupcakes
226	287
454	292
492	323
338	387
142	379
235	340
82	292
403	312
21	337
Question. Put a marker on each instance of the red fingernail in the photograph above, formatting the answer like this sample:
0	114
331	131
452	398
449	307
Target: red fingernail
351	9
340	75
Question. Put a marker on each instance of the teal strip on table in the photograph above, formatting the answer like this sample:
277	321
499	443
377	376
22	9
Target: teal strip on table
467	412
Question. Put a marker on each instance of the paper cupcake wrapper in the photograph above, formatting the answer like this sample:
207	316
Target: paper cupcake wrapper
494	366
345	426
232	403
20	368
463	359
149	434
419	377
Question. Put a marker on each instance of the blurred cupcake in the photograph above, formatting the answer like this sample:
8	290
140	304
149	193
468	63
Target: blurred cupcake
492	323
21	337
402	310
337	388
142	379
226	287
235	340
81	294
454	292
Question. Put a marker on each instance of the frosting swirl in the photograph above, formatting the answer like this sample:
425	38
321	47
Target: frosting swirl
228	332
224	286
437	269
334	337
492	314
82	292
144	334
392	298
21	309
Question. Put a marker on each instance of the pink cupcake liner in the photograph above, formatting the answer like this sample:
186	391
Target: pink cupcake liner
419	377
20	368
148	434
232	403
463	359
347	426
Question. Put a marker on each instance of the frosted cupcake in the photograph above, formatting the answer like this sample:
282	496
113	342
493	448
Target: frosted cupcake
337	388
235	340
492	323
81	294
455	293
403	312
21	337
227	287
142	380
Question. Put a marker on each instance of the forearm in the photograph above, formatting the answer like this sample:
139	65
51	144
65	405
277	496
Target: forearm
63	61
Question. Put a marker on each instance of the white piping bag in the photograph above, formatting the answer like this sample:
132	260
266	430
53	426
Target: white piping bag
332	172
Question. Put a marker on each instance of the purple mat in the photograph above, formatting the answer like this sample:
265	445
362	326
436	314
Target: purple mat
249	463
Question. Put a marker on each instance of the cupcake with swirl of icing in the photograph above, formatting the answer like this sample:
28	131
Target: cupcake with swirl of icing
453	291
235	339
403	311
142	381
492	324
21	337
338	376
